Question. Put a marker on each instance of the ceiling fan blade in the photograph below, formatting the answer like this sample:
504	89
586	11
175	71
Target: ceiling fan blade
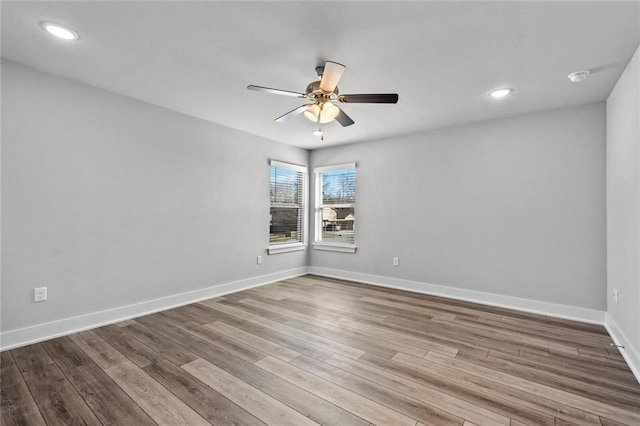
276	91
331	75
292	113
344	119
373	98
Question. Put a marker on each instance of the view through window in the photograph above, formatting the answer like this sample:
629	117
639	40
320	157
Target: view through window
336	202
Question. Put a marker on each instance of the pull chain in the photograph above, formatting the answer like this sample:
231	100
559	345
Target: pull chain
320	121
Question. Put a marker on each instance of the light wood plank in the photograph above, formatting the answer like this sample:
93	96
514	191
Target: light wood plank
523	339
97	349
447	333
165	347
288	309
136	351
308	337
341	334
408	384
261	405
350	401
259	343
106	399
418	309
402	403
292	343
511	402
160	404
211	405
306	403
590	386
406	341
232	346
295	294
201	347
567	398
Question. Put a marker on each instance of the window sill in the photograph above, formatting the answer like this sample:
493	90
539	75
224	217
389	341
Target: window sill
285	248
342	248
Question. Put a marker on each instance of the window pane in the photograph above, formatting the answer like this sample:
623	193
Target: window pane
339	187
338	224
287	197
286	186
286	225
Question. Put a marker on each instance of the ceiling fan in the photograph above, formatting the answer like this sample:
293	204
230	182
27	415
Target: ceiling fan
322	94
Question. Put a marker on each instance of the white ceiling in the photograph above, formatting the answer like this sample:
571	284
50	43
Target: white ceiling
441	57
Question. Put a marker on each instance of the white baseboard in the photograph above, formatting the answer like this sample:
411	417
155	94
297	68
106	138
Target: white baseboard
630	353
39	332
527	305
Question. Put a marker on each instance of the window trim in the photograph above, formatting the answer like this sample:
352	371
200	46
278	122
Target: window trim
323	245
290	166
338	247
296	246
323	169
286	248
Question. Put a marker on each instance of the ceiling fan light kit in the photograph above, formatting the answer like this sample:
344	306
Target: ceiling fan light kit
323	93
322	113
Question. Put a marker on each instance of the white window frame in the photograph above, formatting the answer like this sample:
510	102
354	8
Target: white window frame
297	246
318	244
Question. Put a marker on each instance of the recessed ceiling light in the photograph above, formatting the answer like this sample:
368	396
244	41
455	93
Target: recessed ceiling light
500	93
59	31
578	76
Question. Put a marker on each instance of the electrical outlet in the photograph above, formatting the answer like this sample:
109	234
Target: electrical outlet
396	261
615	295
40	294
259	260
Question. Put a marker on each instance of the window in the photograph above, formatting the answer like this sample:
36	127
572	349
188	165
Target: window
335	208
288	183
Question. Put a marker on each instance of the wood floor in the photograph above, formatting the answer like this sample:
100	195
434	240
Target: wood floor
313	350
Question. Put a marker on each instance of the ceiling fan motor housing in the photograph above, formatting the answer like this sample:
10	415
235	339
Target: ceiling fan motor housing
313	91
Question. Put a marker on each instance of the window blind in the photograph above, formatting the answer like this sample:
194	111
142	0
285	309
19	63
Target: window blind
287	195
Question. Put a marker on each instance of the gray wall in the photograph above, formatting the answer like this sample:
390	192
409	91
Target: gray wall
623	202
108	201
513	207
